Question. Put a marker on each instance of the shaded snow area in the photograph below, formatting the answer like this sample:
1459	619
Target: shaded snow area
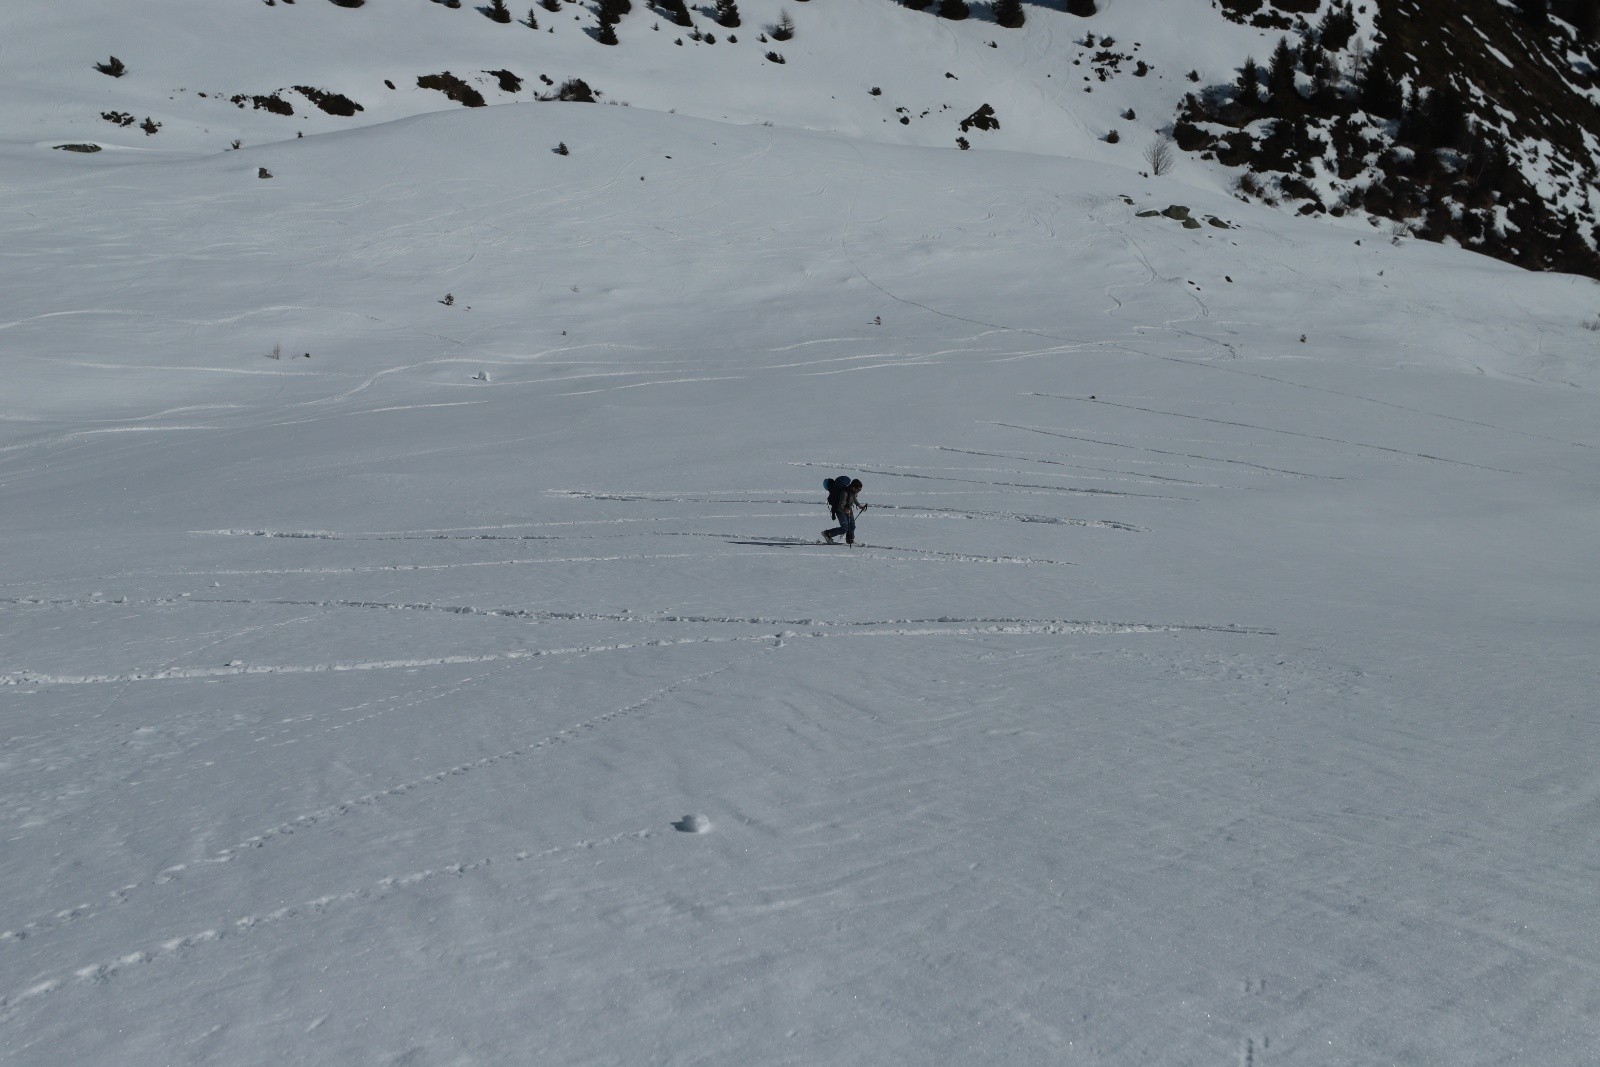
417	645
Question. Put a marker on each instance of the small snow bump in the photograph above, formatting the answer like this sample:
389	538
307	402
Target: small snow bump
692	824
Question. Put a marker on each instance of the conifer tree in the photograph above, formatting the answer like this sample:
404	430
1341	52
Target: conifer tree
1413	120
1009	13
1379	92
1336	28
1250	82
727	13
1585	18
498	11
1537	12
679	11
954	10
1582	14
1280	74
1445	115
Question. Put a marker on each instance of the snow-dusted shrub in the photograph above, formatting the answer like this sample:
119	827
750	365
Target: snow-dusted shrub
452	87
113	66
331	103
509	82
982	119
573	90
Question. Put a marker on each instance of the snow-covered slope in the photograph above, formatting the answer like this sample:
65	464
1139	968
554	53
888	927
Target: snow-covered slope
1213	683
1042	80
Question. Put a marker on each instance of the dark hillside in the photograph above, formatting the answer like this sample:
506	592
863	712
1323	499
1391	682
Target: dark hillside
1470	121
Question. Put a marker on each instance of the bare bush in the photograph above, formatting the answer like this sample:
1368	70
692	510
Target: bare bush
1161	155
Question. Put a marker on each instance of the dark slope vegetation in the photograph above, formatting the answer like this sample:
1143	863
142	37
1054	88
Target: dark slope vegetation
1463	120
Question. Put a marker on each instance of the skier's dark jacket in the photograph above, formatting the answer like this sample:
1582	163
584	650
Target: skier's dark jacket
837	494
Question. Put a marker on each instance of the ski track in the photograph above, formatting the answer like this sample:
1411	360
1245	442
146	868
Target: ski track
1287	433
650	618
1011	516
315	907
866	551
1024	485
391	567
1163	452
1128	476
329	535
962	628
890	469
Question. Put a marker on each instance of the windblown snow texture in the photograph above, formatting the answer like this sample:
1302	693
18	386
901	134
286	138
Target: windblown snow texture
463	684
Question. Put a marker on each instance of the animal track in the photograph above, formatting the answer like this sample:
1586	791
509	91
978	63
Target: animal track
227	855
106	970
939	626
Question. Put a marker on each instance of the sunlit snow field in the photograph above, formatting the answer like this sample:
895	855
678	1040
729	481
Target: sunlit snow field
1213	684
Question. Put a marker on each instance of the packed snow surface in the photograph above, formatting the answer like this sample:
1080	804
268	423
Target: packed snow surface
416	644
